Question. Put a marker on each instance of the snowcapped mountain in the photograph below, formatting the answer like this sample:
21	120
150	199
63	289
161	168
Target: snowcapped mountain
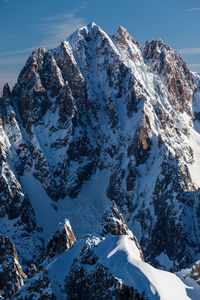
96	120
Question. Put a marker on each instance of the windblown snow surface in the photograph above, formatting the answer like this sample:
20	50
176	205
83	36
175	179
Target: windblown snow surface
120	255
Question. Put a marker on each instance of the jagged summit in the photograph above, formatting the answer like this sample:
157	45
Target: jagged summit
92	27
6	91
122	34
62	240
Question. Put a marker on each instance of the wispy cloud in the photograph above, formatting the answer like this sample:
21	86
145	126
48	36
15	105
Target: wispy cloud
54	29
57	17
56	33
21	51
9	36
59	27
11	60
194	65
194	9
189	51
71	14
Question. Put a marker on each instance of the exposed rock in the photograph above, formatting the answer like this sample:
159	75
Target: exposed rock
38	287
11	274
173	71
62	240
195	272
113	223
100	104
99	283
6	91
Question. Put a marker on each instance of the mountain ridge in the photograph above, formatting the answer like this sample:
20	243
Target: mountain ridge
101	119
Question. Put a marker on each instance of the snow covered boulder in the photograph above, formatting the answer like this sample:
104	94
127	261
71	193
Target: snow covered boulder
62	240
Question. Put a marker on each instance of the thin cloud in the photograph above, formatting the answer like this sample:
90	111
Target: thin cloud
57	28
194	9
55	33
12	60
189	51
194	65
57	17
9	36
25	50
54	29
72	14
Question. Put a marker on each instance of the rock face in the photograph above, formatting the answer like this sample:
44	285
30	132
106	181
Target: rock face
195	272
38	284
113	223
18	220
99	283
11	274
37	287
96	120
62	240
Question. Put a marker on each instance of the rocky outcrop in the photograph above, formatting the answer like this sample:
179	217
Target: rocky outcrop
62	240
6	91
113	222
195	272
11	274
173	71
37	287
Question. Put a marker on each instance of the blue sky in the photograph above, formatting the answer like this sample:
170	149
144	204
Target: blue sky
28	24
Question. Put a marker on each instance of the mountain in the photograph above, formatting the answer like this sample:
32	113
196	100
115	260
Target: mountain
96	120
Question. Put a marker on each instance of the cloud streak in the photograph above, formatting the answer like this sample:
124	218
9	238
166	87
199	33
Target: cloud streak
194	9
189	51
12	61
194	65
21	51
54	30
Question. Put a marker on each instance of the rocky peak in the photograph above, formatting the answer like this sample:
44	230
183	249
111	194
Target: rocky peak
173	72
122	36
85	32
6	103
62	240
29	76
154	48
11	273
113	223
6	91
